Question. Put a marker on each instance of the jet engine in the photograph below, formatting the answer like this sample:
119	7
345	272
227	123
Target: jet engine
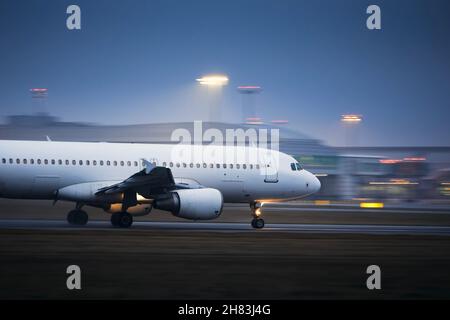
85	192
193	204
136	211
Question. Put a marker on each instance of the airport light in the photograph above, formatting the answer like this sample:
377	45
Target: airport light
372	205
279	122
351	118
322	202
254	121
213	80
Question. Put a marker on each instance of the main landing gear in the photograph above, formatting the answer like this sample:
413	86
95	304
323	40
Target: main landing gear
77	217
257	222
121	220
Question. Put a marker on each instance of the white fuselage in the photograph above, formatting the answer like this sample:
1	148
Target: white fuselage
38	169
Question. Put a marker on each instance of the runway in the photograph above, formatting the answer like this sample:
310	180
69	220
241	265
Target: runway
231	227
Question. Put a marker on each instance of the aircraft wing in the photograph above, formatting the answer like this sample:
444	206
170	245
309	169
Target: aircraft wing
150	181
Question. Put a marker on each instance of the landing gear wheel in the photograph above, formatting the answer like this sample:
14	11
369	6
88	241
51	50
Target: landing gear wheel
77	217
124	220
258	223
115	219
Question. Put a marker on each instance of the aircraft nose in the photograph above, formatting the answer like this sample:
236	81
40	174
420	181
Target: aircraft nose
313	184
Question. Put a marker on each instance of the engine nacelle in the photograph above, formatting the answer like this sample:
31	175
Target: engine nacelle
85	192
194	204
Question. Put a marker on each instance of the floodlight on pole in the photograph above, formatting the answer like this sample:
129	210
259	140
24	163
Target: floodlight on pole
213	80
351	124
351	118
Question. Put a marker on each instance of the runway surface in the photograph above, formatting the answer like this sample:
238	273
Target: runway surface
231	227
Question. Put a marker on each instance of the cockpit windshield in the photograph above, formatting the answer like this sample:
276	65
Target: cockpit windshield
296	166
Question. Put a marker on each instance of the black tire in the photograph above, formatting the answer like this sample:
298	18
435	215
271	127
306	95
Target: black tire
258	223
125	220
115	219
77	217
71	217
81	218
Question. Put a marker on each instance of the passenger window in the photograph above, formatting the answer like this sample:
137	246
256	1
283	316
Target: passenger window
224	166
32	161
18	161
45	161
171	164
178	165
3	160
108	163
191	165
122	163
94	162
231	166
184	165
128	163
60	162
80	162
244	166
88	162
24	161
204	165
136	164
257	166
53	161
164	164
238	166
74	162
198	165
115	163
218	166
39	161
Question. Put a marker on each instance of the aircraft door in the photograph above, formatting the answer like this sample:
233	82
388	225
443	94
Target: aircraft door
271	168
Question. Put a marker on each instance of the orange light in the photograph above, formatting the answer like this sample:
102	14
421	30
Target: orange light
394	182
322	202
390	161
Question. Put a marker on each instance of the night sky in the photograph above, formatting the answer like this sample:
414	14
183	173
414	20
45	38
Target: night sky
137	61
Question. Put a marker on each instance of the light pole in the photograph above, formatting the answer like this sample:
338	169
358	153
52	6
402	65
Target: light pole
350	121
214	84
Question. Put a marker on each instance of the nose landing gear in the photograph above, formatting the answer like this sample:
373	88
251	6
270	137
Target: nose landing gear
77	217
257	222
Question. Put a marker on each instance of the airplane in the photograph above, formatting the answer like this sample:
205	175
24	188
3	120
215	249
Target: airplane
129	179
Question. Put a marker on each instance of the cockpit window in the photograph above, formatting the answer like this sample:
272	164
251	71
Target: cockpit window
299	167
293	167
